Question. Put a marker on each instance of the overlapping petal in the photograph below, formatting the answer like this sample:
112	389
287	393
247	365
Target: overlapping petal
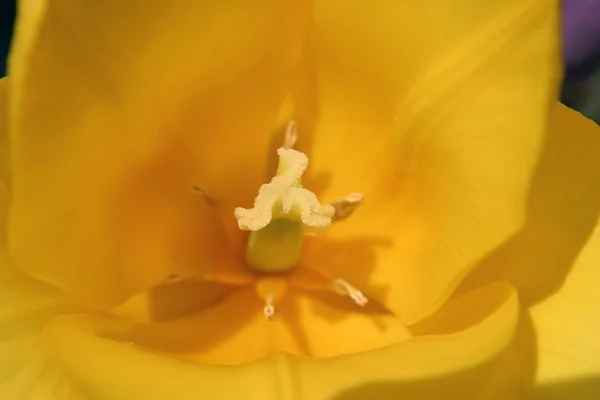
25	307
554	263
107	369
562	212
443	147
567	326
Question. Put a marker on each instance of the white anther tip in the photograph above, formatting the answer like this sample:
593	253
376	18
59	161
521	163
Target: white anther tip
355	198
269	309
343	288
359	298
269	312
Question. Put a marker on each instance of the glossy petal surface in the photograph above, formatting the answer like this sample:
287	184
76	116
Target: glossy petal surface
438	121
118	109
553	261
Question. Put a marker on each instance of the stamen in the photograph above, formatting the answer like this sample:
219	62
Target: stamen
222	211
269	309
271	289
173	278
343	288
228	272
291	135
211	199
344	207
284	212
197	276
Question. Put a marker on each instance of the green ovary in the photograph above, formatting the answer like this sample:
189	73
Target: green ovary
283	213
276	247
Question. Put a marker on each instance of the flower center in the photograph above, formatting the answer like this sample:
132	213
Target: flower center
283	213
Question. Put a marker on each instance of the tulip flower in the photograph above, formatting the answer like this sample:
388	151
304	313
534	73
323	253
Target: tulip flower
282	199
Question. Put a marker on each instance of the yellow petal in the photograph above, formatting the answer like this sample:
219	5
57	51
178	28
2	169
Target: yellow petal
556	352
167	302
446	365
41	380
567	327
25	307
4	162
118	109
232	330
510	376
436	113
563	210
8	272
329	325
429	365
553	261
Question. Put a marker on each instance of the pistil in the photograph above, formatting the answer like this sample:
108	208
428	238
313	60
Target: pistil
283	212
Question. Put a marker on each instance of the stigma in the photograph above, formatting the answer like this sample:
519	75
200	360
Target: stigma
283	213
285	198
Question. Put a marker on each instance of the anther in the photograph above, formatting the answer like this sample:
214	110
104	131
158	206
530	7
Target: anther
210	199
291	135
269	309
284	197
172	278
345	206
343	288
200	275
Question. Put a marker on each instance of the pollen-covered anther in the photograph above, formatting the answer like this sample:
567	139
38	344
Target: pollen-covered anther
291	135
284	212
269	309
343	288
345	206
284	197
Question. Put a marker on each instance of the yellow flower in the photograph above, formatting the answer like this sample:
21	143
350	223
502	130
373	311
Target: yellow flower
427	232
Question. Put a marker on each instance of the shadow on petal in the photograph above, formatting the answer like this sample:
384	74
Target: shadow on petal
583	388
176	300
210	325
457	386
327	325
507	376
353	260
564	206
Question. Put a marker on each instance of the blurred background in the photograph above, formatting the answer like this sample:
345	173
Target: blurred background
7	16
581	51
